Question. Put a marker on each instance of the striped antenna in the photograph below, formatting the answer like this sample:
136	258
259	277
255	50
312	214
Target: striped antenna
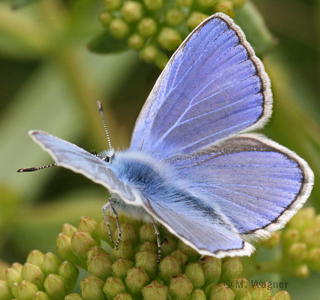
35	168
104	123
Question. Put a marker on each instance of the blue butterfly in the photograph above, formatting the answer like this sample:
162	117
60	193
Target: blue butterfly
190	165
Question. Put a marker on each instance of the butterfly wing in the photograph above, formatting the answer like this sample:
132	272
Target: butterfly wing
257	184
80	161
212	87
196	227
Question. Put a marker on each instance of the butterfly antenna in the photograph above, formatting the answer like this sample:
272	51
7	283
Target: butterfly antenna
104	123
35	168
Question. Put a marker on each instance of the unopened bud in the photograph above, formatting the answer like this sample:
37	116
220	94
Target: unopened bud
298	252
180	287
169	39
302	271
70	274
125	250
13	275
50	264
153	4
136	279
174	16
240	286
135	42
132	11
81	242
5	292
198	294
121	266
195	19
119	29
231	267
92	288
225	7
147	261
128	233
68	229
168	244
40	295
195	274
155	291
112	4
73	296
147	27
220	291
149	53
27	290
282	295
211	267
33	274
168	267
35	257
181	257
55	286
91	226
113	287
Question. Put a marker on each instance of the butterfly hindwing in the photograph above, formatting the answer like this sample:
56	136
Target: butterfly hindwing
213	87
257	184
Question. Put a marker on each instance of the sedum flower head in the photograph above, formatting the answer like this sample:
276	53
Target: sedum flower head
132	270
155	28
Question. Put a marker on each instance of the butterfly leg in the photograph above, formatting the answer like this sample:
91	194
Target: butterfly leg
158	239
118	223
104	208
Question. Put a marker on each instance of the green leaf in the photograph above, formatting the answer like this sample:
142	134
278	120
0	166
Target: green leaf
106	43
252	23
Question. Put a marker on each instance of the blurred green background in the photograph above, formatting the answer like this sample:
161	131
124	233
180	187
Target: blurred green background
49	80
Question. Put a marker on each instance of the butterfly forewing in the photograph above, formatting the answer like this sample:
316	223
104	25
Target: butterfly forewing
213	87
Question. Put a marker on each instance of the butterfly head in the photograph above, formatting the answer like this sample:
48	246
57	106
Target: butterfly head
107	155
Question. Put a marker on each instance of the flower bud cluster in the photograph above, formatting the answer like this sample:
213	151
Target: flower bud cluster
301	243
157	27
129	272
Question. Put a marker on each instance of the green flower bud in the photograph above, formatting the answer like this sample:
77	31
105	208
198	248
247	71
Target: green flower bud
303	219
27	290
314	259
40	295
147	27
81	242
226	7
33	274
181	257
136	279
50	264
123	296
13	275
113	287
73	296
125	250
135	42
92	288
149	53
68	229
121	266
5	292
147	261
55	286
119	29
302	271
257	292
193	254
168	267
298	252
211	267
282	295
290	236
105	18
64	249
15	290
105	231
238	3
112	4
231	267
180	287
272	241
198	294
100	266
218	292
161	60
155	291
168	244
148	246
91	226
132	11
195	274
195	19
169	38
147	233
174	16
239	286
98	251
35	257
207	3
128	233
153	4
311	237
184	2
70	274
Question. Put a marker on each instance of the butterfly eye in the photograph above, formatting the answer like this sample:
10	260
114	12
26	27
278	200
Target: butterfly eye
107	159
